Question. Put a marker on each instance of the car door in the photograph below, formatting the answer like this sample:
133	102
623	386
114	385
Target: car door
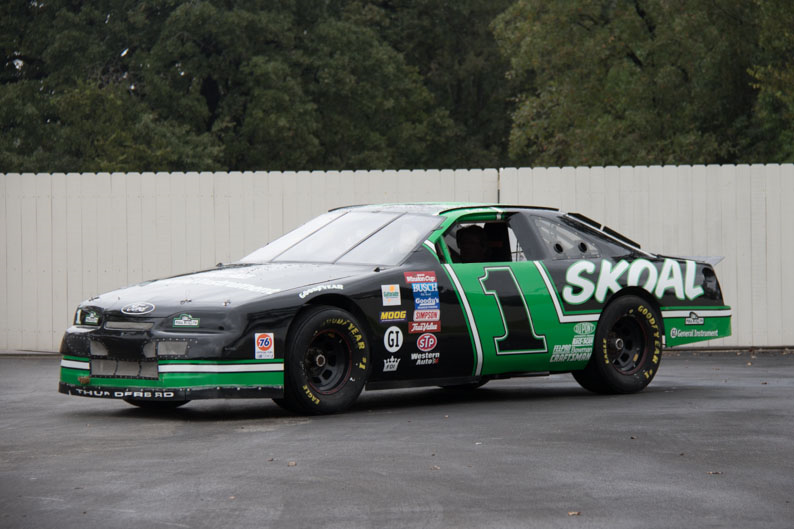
510	314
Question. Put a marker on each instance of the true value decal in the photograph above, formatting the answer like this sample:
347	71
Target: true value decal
584	282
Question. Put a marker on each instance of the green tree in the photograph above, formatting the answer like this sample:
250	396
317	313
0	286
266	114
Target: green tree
629	82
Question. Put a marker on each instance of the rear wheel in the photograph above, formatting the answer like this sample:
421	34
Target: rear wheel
327	362
627	348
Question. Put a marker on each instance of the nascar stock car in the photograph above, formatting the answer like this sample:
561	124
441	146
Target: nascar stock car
397	295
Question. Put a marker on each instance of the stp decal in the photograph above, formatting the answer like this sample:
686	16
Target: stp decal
264	348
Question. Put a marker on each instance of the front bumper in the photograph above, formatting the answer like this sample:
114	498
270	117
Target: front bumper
176	380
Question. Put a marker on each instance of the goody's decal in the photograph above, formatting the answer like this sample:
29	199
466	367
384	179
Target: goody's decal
585	280
390	295
264	348
426	295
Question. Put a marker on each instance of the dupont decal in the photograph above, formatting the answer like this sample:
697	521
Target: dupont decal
427	342
390	364
425	359
420	277
319	288
390	295
387	316
693	333
186	321
264	346
585	327
416	327
138	308
694	319
583	282
427	315
393	339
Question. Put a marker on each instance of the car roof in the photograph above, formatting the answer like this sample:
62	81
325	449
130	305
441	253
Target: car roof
440	208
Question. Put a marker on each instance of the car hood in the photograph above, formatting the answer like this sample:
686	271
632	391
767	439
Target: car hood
235	285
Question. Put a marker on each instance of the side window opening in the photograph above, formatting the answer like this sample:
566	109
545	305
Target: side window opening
564	242
483	242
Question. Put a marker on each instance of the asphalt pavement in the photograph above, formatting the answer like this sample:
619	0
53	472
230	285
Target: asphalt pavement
709	444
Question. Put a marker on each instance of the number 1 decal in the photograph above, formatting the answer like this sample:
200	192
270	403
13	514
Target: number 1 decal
519	336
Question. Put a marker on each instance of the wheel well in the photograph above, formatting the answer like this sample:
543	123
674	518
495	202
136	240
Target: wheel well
340	302
642	294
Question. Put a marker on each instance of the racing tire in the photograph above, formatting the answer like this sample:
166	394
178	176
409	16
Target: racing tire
326	364
627	348
156	404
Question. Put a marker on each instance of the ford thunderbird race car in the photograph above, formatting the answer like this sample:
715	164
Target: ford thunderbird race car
386	296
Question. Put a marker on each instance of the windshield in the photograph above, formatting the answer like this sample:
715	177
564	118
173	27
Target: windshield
350	237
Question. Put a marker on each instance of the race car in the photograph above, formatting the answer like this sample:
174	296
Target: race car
398	295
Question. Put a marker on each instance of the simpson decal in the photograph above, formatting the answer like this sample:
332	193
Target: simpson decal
264	346
427	315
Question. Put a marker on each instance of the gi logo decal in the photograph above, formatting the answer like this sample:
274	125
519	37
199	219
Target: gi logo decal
393	339
186	320
264	346
390	295
138	308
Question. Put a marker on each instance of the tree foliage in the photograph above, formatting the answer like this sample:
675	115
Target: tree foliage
123	85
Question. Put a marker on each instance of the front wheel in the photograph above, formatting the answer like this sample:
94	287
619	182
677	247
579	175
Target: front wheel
327	362
627	348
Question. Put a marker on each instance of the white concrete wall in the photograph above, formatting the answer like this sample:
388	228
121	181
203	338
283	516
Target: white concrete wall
64	237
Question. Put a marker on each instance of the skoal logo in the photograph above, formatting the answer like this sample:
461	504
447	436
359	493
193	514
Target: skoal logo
138	308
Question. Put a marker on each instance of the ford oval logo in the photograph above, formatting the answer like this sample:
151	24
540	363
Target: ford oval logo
138	308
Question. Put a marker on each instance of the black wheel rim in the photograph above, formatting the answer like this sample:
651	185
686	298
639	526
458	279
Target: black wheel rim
627	345
328	361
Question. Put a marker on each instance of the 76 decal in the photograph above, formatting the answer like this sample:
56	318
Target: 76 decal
264	348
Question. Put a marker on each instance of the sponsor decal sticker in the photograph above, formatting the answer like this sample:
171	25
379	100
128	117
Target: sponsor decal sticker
390	295
420	277
186	320
427	342
693	319
416	327
264	346
393	315
426	295
319	288
91	318
393	339
425	359
427	315
582	283
585	327
390	364
138	308
693	333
